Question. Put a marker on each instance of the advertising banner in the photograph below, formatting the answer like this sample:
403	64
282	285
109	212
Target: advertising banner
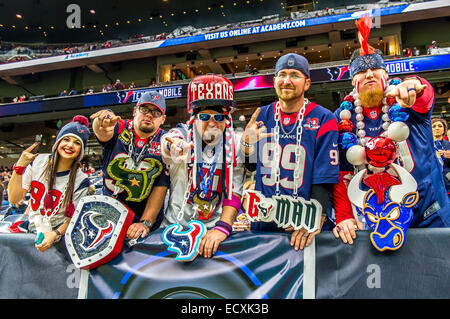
329	74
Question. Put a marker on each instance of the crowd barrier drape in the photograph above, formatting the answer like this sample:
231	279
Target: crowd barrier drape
247	265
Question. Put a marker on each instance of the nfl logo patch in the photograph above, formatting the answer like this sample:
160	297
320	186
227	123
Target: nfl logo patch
291	62
373	114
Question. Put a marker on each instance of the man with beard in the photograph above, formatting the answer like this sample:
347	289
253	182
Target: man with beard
206	180
372	97
297	160
134	146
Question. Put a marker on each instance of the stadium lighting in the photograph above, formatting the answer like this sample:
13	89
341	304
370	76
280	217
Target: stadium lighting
18	16
92	11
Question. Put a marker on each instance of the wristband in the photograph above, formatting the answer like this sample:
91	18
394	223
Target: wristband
19	169
224	227
245	144
235	202
223	230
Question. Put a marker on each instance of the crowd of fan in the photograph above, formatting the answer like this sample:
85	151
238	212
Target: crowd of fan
13	53
117	86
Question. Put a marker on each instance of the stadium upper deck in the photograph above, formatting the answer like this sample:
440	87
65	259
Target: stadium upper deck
327	41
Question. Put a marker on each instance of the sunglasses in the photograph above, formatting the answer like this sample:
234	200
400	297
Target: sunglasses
205	117
145	109
294	76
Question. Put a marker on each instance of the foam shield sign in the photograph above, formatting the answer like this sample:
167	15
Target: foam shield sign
184	243
97	230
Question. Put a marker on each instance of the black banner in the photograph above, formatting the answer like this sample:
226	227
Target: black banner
247	265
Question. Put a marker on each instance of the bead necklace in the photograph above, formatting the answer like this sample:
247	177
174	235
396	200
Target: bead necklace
393	119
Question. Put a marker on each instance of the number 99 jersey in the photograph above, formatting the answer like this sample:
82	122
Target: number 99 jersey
34	181
319	156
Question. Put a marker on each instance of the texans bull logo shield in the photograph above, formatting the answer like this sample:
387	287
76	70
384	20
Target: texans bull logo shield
137	182
184	243
97	230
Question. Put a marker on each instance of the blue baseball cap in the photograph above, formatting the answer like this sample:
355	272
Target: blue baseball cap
293	61
155	98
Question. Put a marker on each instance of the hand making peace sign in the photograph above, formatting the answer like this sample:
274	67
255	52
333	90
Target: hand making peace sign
254	132
27	156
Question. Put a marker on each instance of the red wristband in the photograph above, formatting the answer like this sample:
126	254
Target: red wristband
19	169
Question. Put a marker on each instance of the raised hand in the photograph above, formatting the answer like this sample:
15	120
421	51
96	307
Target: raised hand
105	121
254	131
178	149
406	92
27	156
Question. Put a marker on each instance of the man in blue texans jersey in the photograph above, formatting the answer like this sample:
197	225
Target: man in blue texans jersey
298	156
134	146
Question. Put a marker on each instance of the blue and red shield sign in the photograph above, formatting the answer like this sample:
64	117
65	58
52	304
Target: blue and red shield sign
97	230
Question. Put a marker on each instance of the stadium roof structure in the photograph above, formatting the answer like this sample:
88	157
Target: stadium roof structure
46	21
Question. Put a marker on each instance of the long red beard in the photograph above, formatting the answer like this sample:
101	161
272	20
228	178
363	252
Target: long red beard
371	98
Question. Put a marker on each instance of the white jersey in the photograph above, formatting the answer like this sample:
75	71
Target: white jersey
178	173
36	184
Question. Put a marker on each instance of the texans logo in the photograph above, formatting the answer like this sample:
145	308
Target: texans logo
264	210
337	73
184	243
205	205
137	183
123	97
93	235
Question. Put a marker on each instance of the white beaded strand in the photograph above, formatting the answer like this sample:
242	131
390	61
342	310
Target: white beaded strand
360	125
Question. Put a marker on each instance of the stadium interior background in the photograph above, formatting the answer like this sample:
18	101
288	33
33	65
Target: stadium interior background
33	32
